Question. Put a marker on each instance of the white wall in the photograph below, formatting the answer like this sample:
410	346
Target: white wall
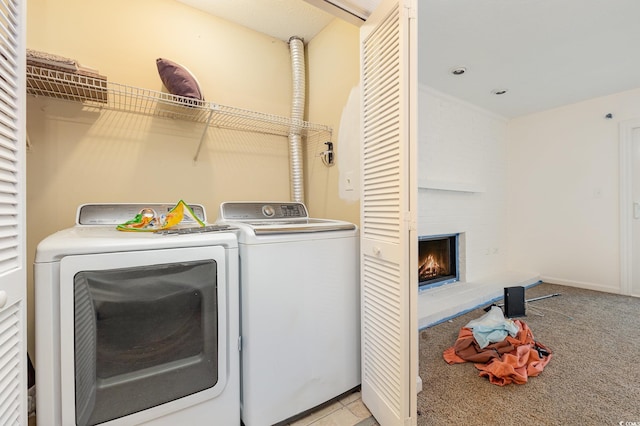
330	85
536	196
563	191
462	169
464	150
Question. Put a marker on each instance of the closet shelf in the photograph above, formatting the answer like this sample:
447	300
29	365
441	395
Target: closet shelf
101	94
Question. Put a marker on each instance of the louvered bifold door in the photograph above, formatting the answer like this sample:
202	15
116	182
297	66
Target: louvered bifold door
13	339
389	320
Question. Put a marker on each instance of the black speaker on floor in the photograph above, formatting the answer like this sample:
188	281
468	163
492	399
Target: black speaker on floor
514	302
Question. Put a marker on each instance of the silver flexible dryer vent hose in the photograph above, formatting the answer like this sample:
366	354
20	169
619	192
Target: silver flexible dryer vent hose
296	157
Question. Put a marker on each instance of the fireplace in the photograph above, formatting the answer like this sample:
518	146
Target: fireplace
437	260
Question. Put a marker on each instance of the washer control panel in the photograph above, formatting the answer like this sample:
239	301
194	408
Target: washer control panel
257	210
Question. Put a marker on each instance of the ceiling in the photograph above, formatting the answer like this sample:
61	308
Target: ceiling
545	53
280	19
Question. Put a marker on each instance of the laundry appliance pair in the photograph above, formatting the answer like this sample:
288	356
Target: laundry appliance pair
254	319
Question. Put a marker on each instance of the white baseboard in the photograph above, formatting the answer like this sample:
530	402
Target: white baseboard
580	284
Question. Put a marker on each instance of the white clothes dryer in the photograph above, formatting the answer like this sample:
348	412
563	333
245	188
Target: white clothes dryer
300	309
137	328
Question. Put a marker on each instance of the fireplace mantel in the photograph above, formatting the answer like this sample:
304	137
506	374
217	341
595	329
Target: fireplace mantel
443	185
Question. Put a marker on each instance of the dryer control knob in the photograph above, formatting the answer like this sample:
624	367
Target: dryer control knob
268	211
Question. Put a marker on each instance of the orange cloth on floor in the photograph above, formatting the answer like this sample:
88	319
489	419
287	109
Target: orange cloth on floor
513	360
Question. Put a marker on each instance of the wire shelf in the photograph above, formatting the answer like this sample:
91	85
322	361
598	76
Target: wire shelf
97	92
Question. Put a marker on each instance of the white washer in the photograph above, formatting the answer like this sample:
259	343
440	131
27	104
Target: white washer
137	328
300	309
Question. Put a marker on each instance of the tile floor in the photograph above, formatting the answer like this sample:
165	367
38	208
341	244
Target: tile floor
347	411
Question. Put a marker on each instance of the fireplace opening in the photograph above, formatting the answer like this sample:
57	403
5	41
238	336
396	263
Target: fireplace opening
437	260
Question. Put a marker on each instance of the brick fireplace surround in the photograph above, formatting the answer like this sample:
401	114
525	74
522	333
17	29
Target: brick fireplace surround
463	189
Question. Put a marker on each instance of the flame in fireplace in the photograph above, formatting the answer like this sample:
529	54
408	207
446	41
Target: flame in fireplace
437	259
430	268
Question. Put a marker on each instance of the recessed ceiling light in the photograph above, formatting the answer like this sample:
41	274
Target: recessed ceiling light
458	70
499	91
